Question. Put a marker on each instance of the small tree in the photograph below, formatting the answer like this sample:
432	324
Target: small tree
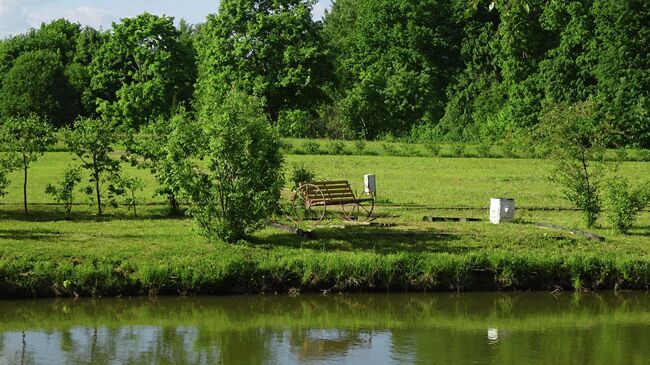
131	187
92	140
28	137
7	164
63	192
241	186
577	150
163	146
625	203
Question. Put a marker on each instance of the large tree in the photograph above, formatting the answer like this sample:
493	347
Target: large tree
393	60
268	48
36	84
142	71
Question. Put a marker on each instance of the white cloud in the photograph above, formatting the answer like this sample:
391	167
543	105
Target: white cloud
85	15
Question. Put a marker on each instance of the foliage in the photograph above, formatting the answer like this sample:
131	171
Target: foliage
301	173
131	187
163	146
484	150
359	146
311	148
268	48
625	203
36	84
458	150
143	71
573	135
336	147
93	141
240	187
28	137
63	192
393	60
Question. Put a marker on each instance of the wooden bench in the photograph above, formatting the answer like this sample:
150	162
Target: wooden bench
312	194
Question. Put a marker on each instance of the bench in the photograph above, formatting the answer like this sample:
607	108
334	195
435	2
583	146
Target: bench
321	194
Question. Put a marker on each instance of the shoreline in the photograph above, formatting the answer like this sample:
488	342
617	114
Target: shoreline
330	272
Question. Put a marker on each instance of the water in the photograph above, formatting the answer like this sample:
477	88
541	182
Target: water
482	328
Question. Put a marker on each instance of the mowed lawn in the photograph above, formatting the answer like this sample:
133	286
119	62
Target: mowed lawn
155	248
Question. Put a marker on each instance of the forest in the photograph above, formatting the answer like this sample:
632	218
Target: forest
455	71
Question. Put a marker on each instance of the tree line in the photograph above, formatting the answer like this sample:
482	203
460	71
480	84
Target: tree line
426	70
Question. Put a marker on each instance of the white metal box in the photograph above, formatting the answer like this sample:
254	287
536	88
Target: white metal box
370	184
502	210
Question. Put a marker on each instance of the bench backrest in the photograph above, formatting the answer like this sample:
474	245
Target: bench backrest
332	190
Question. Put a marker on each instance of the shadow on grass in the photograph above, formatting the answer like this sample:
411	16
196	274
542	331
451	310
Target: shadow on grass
31	234
367	239
48	213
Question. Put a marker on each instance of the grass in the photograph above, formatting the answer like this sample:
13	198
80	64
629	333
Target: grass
43	255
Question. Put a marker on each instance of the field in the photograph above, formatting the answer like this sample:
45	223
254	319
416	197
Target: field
120	254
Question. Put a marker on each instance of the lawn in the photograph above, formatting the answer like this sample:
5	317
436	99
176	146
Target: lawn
43	254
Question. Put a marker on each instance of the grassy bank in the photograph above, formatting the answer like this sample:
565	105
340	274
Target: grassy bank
45	255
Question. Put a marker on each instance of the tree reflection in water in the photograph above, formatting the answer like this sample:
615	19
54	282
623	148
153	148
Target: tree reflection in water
441	328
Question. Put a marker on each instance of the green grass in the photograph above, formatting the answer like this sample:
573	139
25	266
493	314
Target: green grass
43	254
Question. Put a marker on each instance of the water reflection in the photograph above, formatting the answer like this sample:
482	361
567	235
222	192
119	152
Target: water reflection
352	329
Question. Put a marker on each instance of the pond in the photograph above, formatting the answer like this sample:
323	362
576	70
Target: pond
440	328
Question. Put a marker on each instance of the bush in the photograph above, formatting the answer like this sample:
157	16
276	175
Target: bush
644	155
301	173
458	150
240	187
576	145
311	148
508	150
63	192
359	146
336	148
484	150
432	147
621	154
408	149
388	148
625	203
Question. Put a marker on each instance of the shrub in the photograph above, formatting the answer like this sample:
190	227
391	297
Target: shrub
408	149
240	187
63	192
508	150
621	154
484	150
359	146
311	148
576	144
388	148
131	187
301	173
336	148
93	140
644	155
286	147
458	150
432	147
625	203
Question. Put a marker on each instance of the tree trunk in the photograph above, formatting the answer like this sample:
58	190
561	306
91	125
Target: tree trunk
173	203
25	165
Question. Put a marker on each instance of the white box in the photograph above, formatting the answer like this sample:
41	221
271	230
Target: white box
502	210
370	184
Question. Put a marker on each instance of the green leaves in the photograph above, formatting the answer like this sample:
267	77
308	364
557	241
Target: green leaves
240	187
268	48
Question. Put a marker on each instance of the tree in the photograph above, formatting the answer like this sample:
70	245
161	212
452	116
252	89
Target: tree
393	61
36	84
63	192
93	140
240	188
577	146
143	71
29	137
268	48
163	147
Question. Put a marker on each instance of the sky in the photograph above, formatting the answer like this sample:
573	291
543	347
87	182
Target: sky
18	16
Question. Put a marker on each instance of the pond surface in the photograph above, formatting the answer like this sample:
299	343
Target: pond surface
471	328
